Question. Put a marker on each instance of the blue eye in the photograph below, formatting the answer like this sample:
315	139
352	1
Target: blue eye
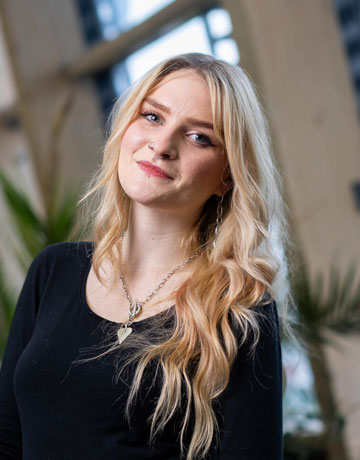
201	139
151	116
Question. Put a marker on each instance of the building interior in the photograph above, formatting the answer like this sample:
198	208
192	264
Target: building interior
64	64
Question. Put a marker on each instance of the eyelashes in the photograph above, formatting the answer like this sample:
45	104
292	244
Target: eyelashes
148	116
199	138
202	139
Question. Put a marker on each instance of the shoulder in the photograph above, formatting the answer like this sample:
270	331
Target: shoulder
268	318
65	257
261	348
259	357
267	357
265	323
268	337
62	252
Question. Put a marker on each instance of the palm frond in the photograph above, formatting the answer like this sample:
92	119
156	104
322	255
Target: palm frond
7	306
34	234
333	308
28	224
62	218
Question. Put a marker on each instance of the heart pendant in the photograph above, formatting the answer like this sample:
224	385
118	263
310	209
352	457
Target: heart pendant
123	332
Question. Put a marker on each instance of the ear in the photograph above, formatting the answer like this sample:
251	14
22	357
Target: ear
226	182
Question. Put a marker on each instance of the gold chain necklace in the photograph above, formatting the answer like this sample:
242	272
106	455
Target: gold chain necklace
135	307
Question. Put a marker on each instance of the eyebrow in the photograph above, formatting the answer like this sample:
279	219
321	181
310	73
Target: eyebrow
193	121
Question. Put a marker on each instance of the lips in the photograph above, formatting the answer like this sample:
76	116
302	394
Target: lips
153	170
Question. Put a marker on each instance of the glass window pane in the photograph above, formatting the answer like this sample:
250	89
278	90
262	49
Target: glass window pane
120	78
187	38
139	10
110	31
301	409
219	23
226	49
105	11
116	16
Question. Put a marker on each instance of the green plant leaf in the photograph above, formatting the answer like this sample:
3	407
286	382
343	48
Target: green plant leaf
62	219
34	234
336	309
7	306
28	225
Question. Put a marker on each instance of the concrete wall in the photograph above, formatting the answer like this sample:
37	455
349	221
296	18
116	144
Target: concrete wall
14	160
43	37
37	41
7	90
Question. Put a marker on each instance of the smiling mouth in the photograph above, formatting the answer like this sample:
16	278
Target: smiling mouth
153	170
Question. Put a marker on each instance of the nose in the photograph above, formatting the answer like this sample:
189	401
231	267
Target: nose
164	147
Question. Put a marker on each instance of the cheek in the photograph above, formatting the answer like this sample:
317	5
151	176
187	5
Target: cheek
204	170
133	139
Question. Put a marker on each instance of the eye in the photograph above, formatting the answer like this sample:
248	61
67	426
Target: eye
201	139
151	116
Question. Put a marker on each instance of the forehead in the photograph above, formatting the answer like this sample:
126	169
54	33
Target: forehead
184	88
182	75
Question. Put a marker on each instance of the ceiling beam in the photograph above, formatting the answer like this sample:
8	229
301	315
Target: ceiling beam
107	53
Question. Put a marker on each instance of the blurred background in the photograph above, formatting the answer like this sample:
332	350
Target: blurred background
62	66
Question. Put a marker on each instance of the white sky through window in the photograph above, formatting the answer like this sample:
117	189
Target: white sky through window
187	38
138	10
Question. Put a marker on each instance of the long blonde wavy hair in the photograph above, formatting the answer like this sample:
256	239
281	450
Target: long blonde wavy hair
245	265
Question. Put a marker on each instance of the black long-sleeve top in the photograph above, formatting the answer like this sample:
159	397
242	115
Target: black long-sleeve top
50	409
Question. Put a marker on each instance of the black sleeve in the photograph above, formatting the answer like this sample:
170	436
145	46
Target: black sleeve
250	408
20	333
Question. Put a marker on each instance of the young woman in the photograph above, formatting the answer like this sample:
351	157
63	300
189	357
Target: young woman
159	339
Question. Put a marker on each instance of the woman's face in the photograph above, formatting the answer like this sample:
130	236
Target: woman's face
170	158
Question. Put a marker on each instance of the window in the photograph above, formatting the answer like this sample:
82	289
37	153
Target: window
301	410
208	32
348	12
117	16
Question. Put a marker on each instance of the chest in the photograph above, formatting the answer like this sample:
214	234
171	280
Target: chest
59	394
112	303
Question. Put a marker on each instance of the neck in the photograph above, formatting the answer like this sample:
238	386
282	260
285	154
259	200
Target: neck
152	244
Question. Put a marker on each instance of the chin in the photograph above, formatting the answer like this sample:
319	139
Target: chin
144	195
